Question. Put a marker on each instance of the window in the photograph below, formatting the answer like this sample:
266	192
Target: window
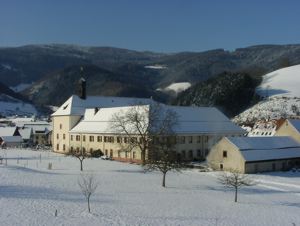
106	152
83	150
119	153
91	150
99	138
126	154
72	148
77	138
64	147
191	154
224	154
111	154
133	140
57	136
133	155
199	139
60	126
71	137
183	154
91	138
83	138
119	139
198	153
221	166
181	140
64	136
206	139
125	140
57	147
190	139
109	139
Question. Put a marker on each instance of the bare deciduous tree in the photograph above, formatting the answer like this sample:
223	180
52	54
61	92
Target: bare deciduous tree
80	154
162	156
151	129
88	186
234	179
139	124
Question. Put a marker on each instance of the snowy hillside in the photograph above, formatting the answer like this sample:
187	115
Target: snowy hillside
11	106
273	108
31	194
281	90
283	82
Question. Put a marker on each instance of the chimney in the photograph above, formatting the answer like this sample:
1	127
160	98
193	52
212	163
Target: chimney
82	86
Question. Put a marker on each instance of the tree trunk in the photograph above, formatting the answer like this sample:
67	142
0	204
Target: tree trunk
143	157
235	196
88	199
81	165
164	180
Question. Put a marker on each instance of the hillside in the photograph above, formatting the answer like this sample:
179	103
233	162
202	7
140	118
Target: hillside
128	72
12	103
58	86
282	82
282	96
230	92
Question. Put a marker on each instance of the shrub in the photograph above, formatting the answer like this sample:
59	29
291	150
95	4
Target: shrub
97	153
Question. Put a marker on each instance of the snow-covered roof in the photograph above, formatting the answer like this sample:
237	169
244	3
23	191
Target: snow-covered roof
30	124
7	131
76	106
263	143
266	148
192	120
25	133
295	123
9	139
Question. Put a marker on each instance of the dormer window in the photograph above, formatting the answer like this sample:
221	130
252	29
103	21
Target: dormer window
64	107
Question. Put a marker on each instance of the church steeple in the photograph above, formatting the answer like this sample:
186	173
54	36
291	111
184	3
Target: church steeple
82	85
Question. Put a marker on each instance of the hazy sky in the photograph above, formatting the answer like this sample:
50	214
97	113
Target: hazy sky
157	25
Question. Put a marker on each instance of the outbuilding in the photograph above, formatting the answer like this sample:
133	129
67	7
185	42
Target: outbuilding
255	154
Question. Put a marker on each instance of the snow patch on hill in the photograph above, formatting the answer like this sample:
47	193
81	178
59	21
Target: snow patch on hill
176	87
156	66
283	82
272	108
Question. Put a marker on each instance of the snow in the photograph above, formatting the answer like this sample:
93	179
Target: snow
192	120
11	106
271	108
20	87
156	67
76	106
178	87
30	195
267	143
282	82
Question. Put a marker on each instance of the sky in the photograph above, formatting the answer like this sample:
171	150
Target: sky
154	25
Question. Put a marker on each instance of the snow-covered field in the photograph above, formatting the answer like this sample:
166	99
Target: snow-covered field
30	194
282	82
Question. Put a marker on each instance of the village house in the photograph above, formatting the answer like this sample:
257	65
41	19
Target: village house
255	154
10	137
264	127
41	132
84	123
290	127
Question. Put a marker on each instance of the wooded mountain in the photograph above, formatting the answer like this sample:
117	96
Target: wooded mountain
230	92
123	72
